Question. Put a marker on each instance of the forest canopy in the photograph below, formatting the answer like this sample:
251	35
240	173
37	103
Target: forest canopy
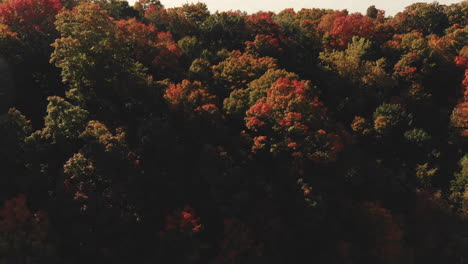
145	134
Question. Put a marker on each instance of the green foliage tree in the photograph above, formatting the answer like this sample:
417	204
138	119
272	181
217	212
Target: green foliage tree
427	18
191	47
460	182
200	69
370	81
224	30
456	13
389	118
239	69
64	121
118	9
186	20
372	12
95	62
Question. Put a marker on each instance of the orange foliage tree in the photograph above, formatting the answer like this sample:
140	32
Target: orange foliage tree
290	118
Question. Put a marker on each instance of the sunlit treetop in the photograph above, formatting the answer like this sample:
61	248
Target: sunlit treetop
290	119
242	99
346	27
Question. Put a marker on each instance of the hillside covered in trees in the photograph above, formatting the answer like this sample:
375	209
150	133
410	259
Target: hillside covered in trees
140	134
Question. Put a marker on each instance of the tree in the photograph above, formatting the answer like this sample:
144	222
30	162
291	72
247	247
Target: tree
9	43
263	46
167	60
459	185
95	62
87	30
389	118
156	50
290	119
262	23
29	26
427	18
186	20
314	15
30	16
70	4
196	13
258	88
140	38
372	12
456	13
459	116
157	15
385	236
145	133
240	100
118	9
24	234
239	69
200	70
95	175
191	47
327	20
191	99
10	46
346	27
14	129
180	234
224	30
358	72
64	121
143	5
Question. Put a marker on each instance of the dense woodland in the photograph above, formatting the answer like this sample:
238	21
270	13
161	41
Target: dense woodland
145	134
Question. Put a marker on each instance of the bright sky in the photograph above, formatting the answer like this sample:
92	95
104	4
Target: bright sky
391	7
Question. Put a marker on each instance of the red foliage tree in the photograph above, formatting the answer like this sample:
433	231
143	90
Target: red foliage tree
23	233
154	49
157	15
183	220
140	37
169	53
460	112
345	27
29	16
262	23
407	66
327	21
180	236
264	45
191	99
